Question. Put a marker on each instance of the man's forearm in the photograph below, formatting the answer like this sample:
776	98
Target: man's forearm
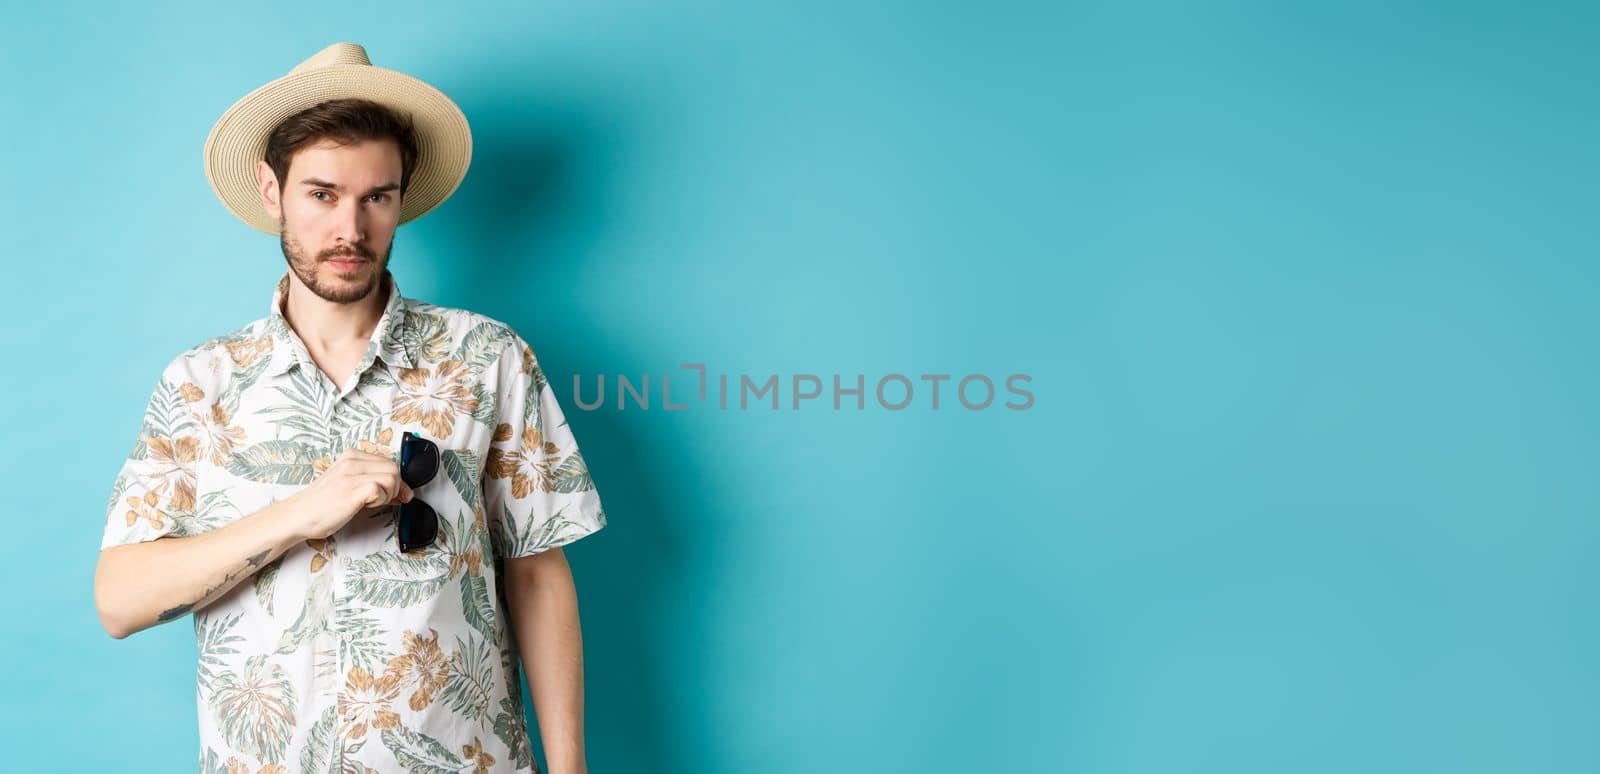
544	613
141	585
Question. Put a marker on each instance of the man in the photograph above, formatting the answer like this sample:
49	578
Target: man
352	614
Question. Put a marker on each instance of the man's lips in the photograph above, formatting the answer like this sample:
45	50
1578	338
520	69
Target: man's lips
347	264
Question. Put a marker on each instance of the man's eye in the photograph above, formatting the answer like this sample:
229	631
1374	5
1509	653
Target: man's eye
318	194
380	197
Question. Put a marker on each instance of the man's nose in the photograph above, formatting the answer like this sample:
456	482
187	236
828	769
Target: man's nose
349	224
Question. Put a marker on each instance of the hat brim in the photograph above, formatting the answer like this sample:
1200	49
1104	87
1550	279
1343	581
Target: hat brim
239	138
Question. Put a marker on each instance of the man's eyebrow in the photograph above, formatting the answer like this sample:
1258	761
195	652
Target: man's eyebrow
318	183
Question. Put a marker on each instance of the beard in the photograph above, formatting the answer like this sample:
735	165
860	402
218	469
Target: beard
326	282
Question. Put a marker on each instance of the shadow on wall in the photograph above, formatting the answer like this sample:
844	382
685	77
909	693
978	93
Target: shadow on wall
534	203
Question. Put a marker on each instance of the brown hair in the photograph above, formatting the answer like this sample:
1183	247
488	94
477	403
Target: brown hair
345	121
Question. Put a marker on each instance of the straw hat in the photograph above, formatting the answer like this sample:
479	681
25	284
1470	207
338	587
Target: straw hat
239	138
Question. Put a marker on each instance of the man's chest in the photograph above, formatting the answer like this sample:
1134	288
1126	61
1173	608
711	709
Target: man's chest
265	431
267	437
349	600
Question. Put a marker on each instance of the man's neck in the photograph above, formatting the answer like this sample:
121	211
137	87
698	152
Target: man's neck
326	326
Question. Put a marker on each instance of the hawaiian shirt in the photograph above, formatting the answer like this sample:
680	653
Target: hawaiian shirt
345	654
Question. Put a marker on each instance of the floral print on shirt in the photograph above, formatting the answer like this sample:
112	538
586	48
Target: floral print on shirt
345	654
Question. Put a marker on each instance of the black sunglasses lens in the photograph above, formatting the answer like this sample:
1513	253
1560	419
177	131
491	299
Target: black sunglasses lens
420	461
418	525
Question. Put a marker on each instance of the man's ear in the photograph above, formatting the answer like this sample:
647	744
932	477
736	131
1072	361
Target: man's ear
271	195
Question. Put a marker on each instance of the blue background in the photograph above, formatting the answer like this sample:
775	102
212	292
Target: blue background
1306	292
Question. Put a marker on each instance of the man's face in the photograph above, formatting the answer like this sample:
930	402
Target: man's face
337	210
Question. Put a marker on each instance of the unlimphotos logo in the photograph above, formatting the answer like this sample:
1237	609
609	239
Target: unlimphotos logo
894	392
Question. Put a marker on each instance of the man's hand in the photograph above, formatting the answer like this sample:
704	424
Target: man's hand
357	482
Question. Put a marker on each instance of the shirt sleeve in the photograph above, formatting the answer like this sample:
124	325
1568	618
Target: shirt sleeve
538	493
155	489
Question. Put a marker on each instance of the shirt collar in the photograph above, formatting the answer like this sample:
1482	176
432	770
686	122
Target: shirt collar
389	341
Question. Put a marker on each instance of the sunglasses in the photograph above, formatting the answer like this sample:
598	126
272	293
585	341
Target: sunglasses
419	463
